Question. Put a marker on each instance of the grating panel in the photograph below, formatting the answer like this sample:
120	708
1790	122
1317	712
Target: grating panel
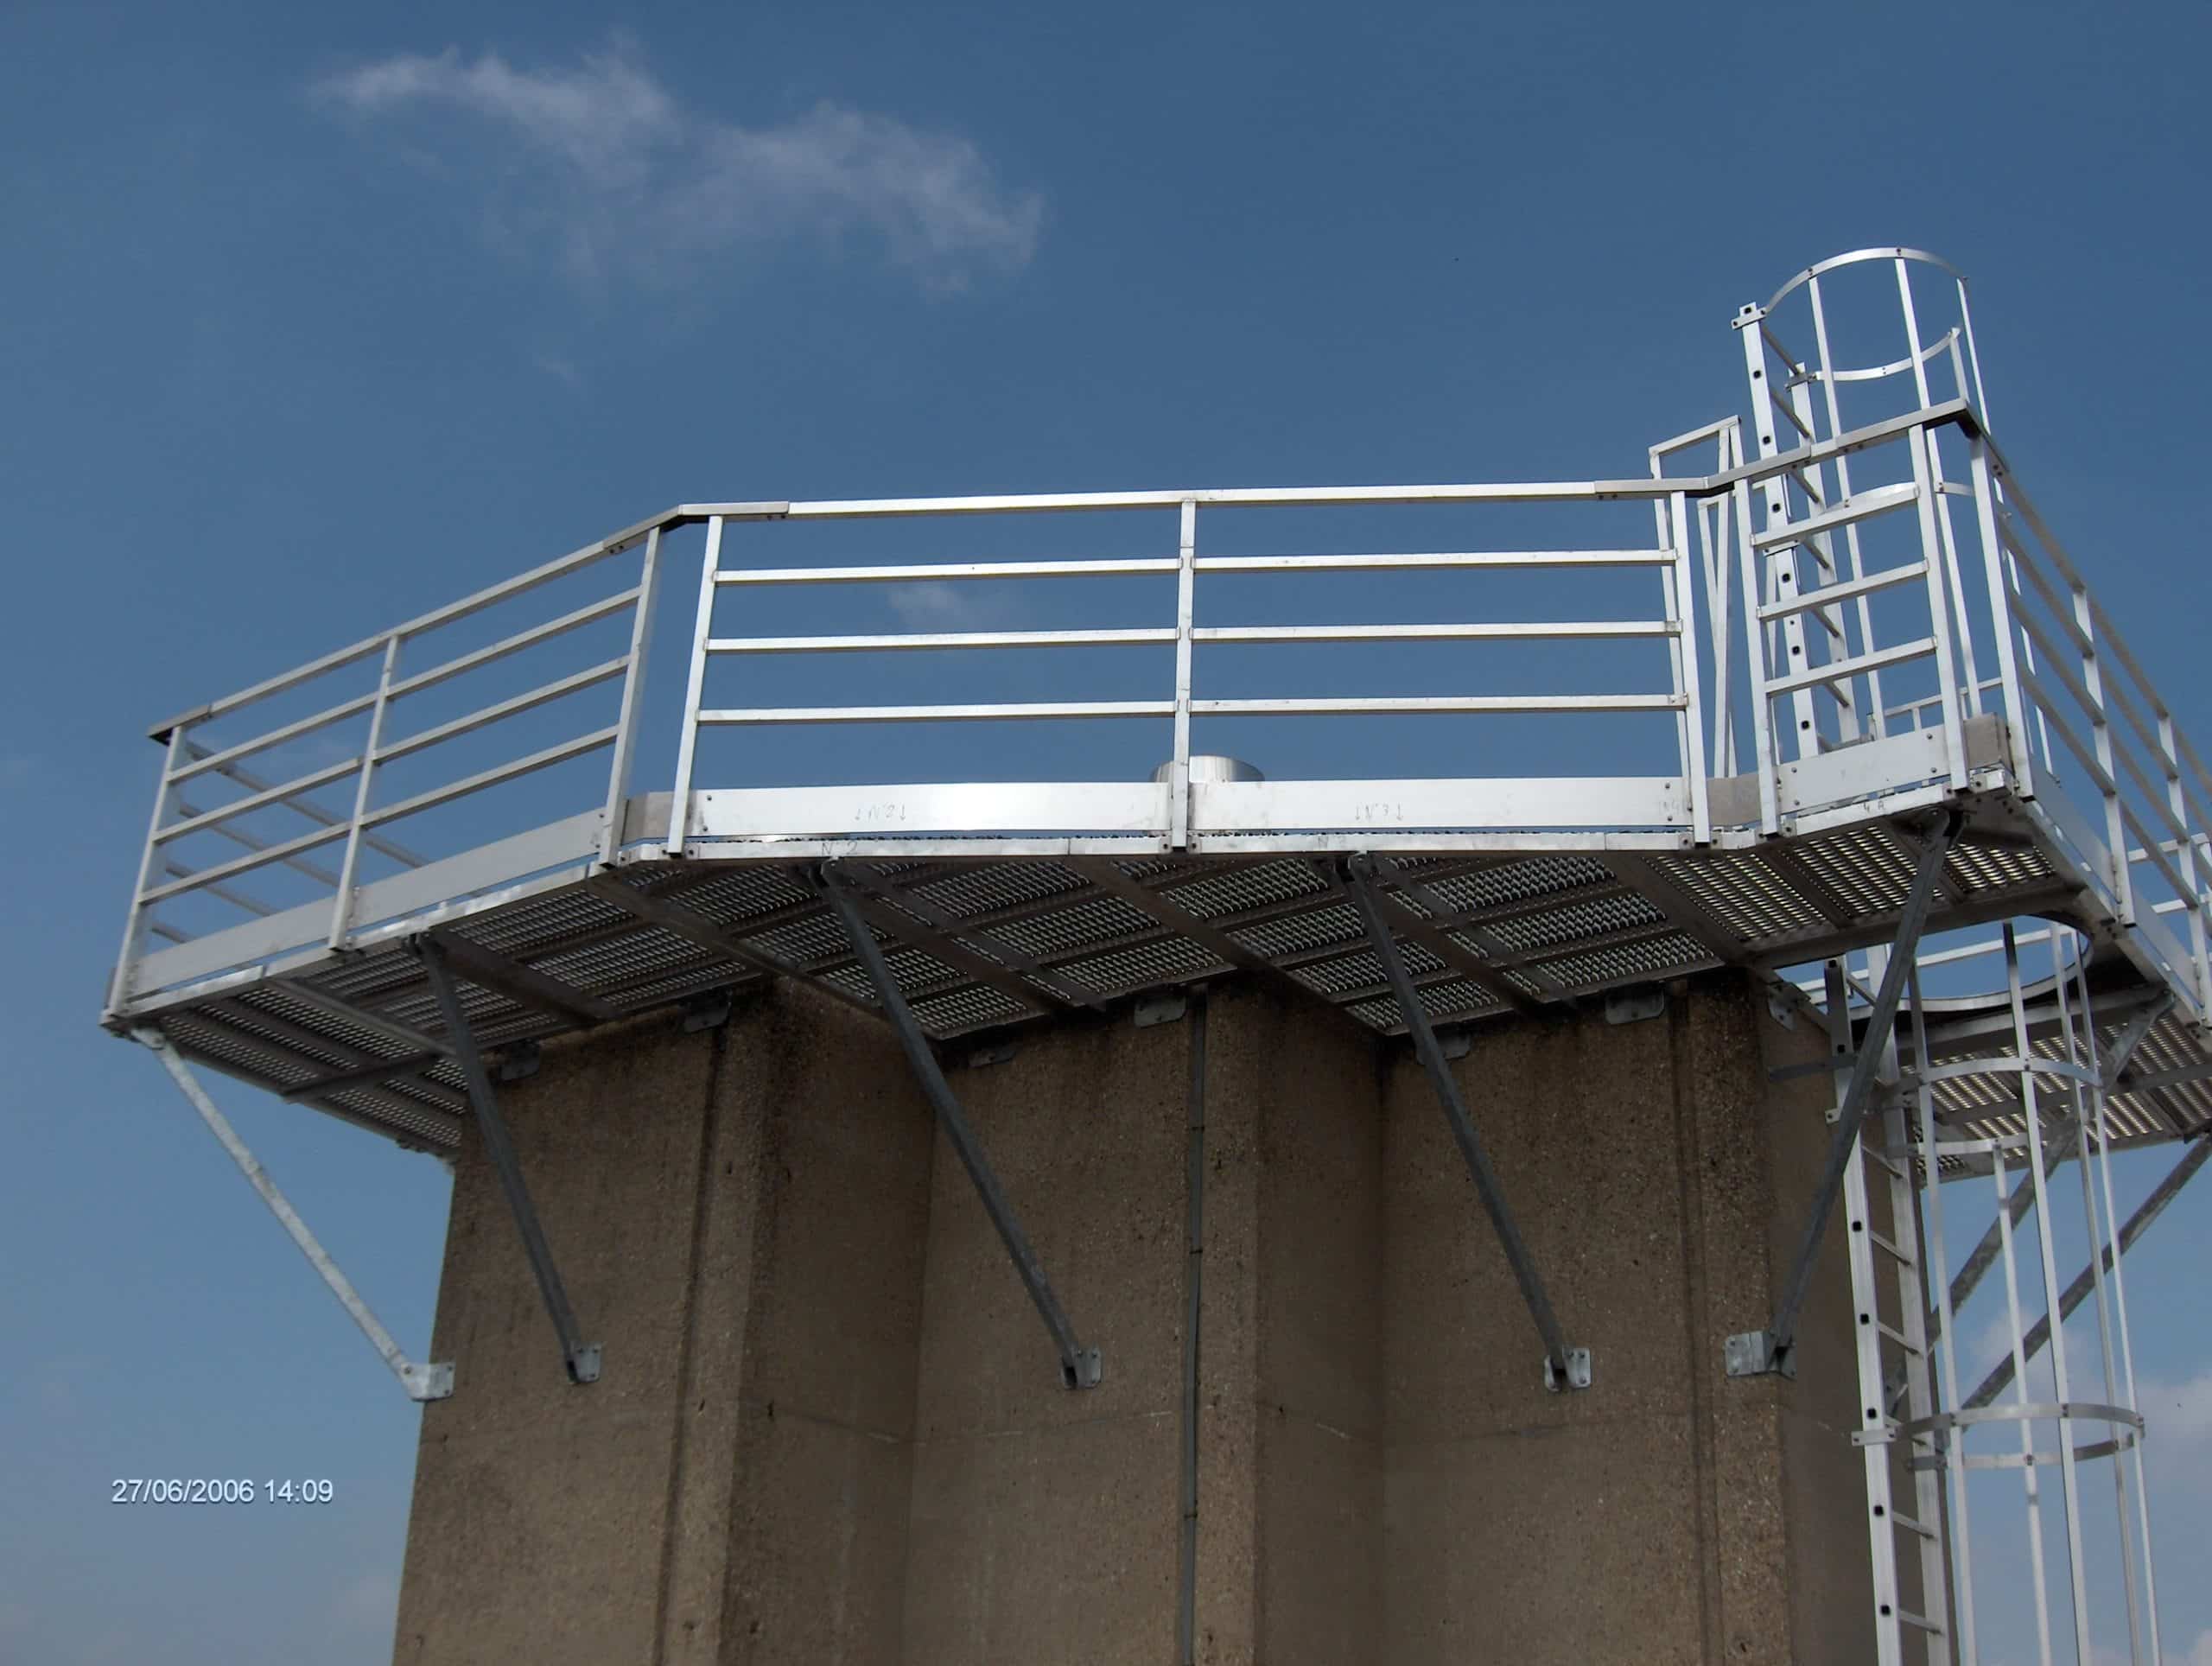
1743	895
1458	998
1518	882
973	1008
739	894
1577	922
809	940
1099	920
1241	888
1994	868
1864	865
270	998
635	954
1317	928
361	977
1361	971
1624	962
679	984
911	969
1167	960
973	890
538	922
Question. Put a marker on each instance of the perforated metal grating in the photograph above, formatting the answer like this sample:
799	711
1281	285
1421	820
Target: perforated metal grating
1097	930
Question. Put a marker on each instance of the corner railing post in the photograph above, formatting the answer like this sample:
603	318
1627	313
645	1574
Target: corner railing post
702	631
122	985
633	693
342	907
1179	773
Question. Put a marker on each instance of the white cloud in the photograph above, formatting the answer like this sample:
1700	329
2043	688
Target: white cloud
935	606
602	159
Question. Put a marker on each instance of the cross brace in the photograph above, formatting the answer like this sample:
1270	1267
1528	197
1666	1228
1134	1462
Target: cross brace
422	1382
581	1357
1080	1367
1564	1367
1758	1353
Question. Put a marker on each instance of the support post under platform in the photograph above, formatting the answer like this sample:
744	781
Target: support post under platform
1080	1367
422	1380
581	1358
1564	1367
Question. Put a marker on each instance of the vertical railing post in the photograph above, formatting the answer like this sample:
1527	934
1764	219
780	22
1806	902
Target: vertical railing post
341	907
2000	609
1931	551
121	985
633	693
1178	772
703	629
2199	905
2092	684
1679	584
1764	758
1782	559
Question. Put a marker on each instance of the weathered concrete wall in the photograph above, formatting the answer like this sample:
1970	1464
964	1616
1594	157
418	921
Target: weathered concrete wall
1290	1419
831	1429
1668	1514
739	1218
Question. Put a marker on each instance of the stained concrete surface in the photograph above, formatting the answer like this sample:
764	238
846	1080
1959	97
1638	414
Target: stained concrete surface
830	1426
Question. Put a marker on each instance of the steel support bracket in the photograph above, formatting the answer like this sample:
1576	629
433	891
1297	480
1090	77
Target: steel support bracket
1562	1364
1753	1353
422	1380
1756	1353
1080	1367
581	1357
1577	1375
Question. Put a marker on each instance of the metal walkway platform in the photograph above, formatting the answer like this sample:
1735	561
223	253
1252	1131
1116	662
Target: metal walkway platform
1851	631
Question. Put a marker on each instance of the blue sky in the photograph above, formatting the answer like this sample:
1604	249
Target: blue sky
318	317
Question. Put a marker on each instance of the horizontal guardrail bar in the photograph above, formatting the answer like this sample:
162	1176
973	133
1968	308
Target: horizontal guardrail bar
246	864
215	760
590	613
493	777
544	694
937	714
239	836
561	567
1846	588
1863	505
1538	631
1837	670
1357	706
1415	560
951	569
939	639
1249	497
261	800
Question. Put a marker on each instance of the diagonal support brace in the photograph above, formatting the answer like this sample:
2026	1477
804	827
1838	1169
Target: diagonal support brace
1080	1367
581	1358
1758	1353
422	1382
1564	1367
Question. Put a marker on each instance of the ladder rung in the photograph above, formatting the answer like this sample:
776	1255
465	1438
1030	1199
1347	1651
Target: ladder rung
1889	1163
1909	1524
1890	1249
1898	1336
1905	1616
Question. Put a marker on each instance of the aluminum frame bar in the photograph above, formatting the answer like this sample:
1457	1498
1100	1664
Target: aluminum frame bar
581	1357
1564	1367
1080	1367
2076	1293
1759	1352
423	1381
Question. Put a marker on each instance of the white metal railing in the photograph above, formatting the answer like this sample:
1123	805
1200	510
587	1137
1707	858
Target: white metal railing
1822	609
192	769
1166	808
